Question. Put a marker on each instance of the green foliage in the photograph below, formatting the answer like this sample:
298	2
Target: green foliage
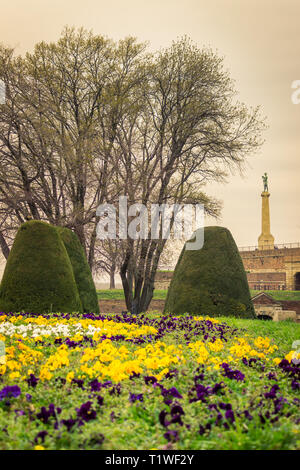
211	280
38	276
81	269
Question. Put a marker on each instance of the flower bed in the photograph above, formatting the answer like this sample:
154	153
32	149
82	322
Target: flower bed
147	382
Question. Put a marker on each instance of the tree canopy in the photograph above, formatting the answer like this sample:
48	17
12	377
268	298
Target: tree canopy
88	119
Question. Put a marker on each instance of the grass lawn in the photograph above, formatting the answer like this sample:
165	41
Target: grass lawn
148	382
118	294
280	294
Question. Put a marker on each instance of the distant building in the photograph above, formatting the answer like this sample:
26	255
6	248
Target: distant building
268	308
269	266
274	269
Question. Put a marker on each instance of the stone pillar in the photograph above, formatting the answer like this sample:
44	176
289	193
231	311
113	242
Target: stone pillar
265	240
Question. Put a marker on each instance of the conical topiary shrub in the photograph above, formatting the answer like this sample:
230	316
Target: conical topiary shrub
81	269
38	276
212	280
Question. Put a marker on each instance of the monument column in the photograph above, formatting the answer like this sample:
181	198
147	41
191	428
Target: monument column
265	240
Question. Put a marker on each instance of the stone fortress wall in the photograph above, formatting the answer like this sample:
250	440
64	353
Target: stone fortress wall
273	269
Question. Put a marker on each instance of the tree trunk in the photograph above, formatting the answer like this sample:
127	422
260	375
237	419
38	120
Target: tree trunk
4	246
145	277
147	294
112	277
91	255
127	278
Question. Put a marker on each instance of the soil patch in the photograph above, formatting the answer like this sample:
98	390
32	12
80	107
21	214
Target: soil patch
119	306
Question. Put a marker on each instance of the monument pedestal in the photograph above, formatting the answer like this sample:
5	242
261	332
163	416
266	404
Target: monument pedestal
266	239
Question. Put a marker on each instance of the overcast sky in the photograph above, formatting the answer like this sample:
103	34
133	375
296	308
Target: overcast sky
260	42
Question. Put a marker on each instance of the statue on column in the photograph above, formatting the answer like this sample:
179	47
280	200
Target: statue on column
265	181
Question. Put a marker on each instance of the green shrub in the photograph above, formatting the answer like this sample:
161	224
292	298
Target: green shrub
38	276
211	280
81	269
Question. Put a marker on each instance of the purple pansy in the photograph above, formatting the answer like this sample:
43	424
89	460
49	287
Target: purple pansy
171	435
45	414
86	412
133	397
232	374
95	385
10	391
32	380
69	423
41	435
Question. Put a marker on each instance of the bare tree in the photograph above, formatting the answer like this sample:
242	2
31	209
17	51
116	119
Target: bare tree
57	128
87	120
108	259
188	130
